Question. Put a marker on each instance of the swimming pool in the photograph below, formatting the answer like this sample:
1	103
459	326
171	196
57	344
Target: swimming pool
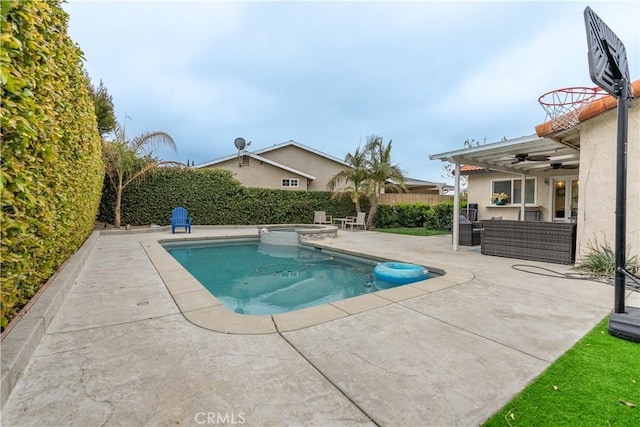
254	278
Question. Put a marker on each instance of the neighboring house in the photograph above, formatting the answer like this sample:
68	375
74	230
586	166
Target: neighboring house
293	166
286	166
568	175
418	186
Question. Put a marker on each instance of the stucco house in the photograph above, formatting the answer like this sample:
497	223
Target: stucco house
286	166
568	175
294	166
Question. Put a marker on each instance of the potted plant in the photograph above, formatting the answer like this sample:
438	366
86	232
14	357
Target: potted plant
499	198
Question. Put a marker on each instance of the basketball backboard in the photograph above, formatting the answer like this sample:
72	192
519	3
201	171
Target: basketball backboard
607	55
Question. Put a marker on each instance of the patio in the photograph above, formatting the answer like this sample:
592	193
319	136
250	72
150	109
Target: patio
120	352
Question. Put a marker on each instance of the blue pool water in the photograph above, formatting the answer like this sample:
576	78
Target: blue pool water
250	277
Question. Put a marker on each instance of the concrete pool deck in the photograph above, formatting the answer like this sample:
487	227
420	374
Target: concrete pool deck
120	351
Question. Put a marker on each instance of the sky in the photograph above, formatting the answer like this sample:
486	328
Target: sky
426	75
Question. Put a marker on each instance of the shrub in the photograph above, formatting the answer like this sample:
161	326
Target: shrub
436	217
412	215
215	197
386	217
443	215
601	258
52	170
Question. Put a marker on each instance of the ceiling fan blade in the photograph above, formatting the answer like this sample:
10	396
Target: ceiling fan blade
538	158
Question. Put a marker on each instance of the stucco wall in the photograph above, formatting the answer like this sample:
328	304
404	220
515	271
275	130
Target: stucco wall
597	177
479	191
261	175
322	168
596	210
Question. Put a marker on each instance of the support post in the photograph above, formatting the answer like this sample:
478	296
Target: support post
523	182
456	207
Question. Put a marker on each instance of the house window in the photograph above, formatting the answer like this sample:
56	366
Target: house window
290	182
513	188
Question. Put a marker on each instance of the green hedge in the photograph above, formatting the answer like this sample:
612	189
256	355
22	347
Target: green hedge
433	217
52	168
214	197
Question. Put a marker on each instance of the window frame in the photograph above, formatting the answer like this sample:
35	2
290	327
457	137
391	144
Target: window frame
290	182
512	190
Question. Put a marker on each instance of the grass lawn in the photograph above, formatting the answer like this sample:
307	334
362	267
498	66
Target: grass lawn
595	383
417	231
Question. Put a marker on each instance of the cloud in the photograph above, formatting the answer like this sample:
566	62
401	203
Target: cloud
426	74
552	57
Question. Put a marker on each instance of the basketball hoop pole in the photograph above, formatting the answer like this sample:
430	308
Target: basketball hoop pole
621	86
609	69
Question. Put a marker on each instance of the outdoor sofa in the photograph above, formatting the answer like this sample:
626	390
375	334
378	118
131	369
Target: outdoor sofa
553	242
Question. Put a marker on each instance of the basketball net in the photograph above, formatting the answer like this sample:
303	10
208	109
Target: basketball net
563	106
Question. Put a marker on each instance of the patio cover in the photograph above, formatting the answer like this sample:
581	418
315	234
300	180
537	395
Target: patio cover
500	156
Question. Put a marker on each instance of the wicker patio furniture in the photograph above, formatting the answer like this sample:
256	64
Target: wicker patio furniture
531	214
532	240
469	232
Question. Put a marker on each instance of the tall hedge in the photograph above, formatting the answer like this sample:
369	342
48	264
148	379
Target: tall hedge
433	217
214	197
51	163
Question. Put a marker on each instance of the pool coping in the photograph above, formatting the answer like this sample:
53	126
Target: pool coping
203	309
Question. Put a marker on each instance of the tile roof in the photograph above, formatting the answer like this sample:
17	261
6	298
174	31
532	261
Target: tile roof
469	168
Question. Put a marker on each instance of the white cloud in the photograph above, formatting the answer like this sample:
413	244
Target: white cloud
426	74
553	57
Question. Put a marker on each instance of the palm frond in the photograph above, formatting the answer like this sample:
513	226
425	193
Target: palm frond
141	173
147	142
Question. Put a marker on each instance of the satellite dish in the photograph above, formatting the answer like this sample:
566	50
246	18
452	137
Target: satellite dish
240	143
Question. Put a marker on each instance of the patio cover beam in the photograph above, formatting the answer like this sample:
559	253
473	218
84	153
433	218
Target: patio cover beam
484	165
500	156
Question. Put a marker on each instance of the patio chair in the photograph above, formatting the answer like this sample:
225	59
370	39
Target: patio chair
358	221
180	218
468	234
321	217
470	214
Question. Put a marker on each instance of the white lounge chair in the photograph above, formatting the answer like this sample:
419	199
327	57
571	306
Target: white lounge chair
321	217
357	221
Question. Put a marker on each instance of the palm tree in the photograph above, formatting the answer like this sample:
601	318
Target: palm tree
382	174
128	161
354	178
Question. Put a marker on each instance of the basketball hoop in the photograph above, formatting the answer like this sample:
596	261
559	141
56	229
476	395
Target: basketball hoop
563	106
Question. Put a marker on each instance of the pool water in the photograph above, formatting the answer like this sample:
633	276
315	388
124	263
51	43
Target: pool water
250	277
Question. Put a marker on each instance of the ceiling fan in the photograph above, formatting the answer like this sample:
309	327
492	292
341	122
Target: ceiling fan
522	157
556	166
